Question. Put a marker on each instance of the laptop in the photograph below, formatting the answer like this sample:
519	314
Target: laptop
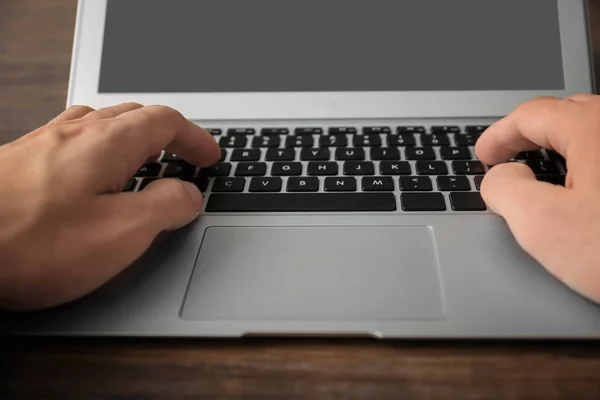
346	202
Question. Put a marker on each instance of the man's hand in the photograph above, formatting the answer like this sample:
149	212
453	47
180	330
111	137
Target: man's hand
558	226
65	226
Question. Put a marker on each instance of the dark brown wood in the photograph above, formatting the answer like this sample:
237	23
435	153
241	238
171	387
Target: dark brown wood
35	50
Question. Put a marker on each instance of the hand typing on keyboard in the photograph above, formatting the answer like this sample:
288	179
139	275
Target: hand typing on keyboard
66	228
84	196
559	226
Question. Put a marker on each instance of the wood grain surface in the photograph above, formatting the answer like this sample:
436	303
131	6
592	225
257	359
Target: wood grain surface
35	52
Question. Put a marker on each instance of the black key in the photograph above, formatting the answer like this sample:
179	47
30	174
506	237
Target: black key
378	184
149	170
223	155
553	179
245	155
467	202
233	141
455	153
395	168
322	168
251	169
201	183
129	185
303	185
314	154
294	202
435	140
214	131
349	154
423	202
530	155
415	184
333	141
286	169
145	182
470	139
476	128
431	168
240	131
468	168
274	131
359	168
401	140
280	155
265	185
308	131
453	183
170	157
445	129
154	158
229	185
385	153
266	141
553	155
368	130
221	169
342	131
340	184
420	153
410	129
478	180
543	167
179	170
367	140
299	141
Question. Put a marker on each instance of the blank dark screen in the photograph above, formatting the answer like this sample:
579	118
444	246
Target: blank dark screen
157	46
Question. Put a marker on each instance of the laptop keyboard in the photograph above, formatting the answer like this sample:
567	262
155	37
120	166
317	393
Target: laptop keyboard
344	169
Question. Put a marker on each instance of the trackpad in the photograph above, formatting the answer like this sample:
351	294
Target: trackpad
315	273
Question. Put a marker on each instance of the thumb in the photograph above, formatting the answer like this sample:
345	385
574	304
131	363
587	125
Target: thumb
170	203
512	191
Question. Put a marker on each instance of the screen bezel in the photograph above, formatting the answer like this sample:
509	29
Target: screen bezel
86	62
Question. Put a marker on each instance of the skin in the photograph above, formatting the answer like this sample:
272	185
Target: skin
558	226
67	229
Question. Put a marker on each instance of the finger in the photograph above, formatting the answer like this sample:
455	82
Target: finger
146	131
582	97
541	219
528	206
72	113
530	126
120	228
512	191
113	111
568	127
166	204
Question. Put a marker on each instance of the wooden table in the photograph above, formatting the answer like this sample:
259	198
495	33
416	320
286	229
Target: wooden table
35	49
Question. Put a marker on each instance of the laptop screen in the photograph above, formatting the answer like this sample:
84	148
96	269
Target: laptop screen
200	46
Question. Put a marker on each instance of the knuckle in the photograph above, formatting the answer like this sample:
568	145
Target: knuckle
132	104
539	105
162	111
80	108
64	133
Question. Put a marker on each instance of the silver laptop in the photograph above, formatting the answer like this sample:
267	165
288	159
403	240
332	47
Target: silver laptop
347	199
